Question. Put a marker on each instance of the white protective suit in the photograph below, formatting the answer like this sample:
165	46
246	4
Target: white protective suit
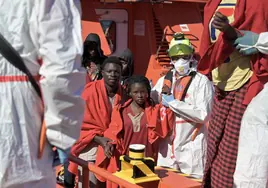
252	159
49	30
188	155
262	43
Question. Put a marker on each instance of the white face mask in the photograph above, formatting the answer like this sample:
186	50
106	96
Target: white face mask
182	66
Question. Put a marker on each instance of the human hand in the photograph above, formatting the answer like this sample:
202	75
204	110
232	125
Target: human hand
166	99
221	23
103	141
108	150
245	44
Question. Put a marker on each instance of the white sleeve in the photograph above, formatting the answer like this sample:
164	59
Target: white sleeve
262	43
157	89
199	111
62	79
252	158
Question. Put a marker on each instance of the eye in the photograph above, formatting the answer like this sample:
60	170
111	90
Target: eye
174	59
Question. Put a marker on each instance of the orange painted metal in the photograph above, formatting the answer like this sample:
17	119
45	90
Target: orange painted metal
145	47
170	179
91	24
42	140
99	171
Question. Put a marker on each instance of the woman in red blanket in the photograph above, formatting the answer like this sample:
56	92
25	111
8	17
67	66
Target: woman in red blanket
100	96
138	121
237	79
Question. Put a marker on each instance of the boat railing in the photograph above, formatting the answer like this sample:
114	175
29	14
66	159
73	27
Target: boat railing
88	167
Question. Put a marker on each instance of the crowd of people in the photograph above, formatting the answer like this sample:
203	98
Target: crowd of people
206	118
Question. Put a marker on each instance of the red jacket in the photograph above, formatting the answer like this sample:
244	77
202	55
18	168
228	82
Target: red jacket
249	15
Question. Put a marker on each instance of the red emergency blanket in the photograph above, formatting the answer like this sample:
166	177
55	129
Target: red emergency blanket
97	116
249	15
160	123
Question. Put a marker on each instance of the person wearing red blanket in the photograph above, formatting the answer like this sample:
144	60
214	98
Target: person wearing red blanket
100	96
237	79
137	121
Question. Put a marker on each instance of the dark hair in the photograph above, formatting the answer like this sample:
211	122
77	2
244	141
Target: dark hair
92	38
141	80
128	57
113	60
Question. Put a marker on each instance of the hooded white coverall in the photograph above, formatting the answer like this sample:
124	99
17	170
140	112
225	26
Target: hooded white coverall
262	43
49	30
183	153
252	159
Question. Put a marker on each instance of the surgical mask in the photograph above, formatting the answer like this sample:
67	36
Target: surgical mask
182	66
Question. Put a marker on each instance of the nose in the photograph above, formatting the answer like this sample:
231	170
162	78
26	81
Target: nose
139	95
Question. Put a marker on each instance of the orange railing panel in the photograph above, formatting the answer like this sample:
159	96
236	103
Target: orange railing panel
101	172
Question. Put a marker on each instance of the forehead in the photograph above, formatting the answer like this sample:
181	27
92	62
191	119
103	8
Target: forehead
111	66
138	86
92	45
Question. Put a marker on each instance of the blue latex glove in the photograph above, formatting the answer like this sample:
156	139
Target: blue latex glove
166	99
61	156
245	44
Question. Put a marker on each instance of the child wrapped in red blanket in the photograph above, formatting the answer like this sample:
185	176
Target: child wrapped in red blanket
138	121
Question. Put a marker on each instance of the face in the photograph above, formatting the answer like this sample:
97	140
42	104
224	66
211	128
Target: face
182	64
92	49
111	74
124	65
139	93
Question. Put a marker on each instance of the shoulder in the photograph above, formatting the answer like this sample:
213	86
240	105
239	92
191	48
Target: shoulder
201	82
159	83
202	78
161	79
91	85
121	107
90	89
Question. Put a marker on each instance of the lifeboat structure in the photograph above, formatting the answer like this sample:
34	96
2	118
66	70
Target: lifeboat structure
145	27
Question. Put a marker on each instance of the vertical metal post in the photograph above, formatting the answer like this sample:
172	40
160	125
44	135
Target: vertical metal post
85	177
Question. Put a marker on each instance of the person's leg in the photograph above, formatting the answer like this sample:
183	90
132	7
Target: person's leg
223	165
166	157
69	178
217	122
89	155
93	181
252	159
64	176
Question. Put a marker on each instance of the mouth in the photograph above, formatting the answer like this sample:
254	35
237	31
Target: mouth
140	101
113	80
